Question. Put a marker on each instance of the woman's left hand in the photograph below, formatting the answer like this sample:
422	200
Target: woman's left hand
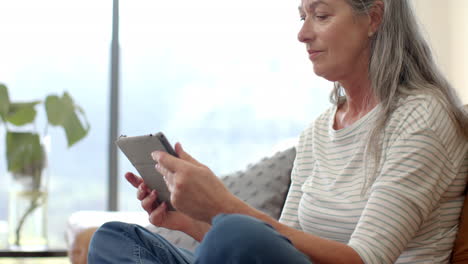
195	190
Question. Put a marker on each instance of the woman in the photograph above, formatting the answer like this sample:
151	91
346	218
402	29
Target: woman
377	178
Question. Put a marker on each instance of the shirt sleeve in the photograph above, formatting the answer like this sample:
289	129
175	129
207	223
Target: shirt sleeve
417	171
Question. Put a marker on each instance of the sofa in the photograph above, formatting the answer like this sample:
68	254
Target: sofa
263	185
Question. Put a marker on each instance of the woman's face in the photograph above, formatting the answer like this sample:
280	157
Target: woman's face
337	40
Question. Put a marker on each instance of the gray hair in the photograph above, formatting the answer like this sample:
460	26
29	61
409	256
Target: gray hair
401	64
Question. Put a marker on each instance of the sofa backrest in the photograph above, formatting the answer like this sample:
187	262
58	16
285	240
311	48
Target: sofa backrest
460	248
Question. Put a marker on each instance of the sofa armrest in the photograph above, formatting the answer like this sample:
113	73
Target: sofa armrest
460	249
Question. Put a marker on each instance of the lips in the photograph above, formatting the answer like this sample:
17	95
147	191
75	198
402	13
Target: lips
313	53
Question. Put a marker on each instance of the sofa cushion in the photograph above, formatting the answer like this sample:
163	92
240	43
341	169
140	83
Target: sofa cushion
264	185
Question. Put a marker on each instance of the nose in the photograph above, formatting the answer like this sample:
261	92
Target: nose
306	33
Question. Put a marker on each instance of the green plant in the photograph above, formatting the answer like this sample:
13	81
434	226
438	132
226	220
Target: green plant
25	155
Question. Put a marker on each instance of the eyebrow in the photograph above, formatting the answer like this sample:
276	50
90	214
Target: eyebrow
312	6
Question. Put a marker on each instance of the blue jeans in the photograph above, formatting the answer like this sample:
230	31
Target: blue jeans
232	239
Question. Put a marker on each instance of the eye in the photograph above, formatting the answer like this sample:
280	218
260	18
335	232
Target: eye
321	17
302	15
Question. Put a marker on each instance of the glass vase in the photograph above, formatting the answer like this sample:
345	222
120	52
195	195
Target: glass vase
27	208
27	217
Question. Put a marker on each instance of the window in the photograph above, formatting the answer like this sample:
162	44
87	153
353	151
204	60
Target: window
52	46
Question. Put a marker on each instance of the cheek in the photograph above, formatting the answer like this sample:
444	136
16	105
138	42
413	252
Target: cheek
343	33
344	46
336	45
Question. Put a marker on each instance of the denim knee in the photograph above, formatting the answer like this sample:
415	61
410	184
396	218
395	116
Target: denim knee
104	242
239	239
104	232
117	242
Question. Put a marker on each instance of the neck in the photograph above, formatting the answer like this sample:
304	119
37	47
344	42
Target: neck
359	101
360	98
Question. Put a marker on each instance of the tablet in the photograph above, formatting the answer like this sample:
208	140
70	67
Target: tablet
138	150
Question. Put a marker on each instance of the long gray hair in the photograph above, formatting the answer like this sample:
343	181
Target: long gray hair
401	64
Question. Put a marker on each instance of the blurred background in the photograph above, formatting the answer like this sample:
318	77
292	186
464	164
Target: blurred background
229	80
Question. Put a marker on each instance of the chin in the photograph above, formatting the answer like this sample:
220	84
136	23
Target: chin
323	73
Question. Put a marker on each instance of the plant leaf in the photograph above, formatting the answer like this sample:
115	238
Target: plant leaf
4	101
22	113
54	110
75	130
24	152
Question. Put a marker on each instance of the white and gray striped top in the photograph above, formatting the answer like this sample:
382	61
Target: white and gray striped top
410	213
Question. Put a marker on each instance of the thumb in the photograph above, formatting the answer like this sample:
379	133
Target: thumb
168	161
185	156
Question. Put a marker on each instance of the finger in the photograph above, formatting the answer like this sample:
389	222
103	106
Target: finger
157	216
142	192
168	177
148	202
145	187
168	161
161	169
133	179
185	156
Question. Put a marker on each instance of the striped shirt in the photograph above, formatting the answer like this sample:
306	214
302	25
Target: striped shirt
411	209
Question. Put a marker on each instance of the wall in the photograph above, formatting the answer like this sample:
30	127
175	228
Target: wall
445	24
459	46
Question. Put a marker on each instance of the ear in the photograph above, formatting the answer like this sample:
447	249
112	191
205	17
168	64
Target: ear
376	13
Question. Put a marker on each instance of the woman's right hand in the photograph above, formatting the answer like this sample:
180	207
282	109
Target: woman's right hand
160	216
